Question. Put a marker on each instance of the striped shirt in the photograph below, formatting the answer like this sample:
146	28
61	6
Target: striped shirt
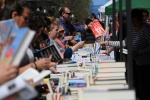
140	42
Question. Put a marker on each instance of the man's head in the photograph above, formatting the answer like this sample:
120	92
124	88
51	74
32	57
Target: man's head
65	13
145	15
20	13
137	18
17	10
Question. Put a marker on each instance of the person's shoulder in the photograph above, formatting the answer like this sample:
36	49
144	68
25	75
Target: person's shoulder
146	25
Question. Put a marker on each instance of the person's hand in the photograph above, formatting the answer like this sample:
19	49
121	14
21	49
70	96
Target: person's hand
45	63
78	45
106	52
89	25
7	72
31	82
42	63
53	69
81	44
73	41
85	27
104	43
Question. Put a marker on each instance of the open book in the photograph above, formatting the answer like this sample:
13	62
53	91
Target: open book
16	46
31	73
46	52
17	89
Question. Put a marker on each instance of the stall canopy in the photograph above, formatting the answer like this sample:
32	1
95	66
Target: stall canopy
134	4
102	8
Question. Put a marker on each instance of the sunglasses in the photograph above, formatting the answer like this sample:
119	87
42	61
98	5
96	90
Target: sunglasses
25	18
68	13
62	31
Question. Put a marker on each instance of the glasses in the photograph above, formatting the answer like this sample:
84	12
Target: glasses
62	31
25	18
68	13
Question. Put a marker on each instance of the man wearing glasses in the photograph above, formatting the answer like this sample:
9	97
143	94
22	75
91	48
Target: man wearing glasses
64	20
14	16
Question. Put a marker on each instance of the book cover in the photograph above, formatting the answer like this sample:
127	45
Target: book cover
46	52
97	28
16	46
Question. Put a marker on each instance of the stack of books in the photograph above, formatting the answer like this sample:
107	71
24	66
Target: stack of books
111	73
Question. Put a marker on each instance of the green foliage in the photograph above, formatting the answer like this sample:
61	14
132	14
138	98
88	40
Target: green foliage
80	8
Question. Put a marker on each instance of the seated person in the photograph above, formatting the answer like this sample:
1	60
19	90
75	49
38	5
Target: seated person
54	33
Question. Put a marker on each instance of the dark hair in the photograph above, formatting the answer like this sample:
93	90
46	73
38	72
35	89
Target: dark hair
10	6
87	21
92	15
7	13
145	11
61	11
47	22
137	13
36	21
123	16
19	6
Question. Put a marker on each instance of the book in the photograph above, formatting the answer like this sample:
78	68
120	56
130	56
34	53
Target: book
46	52
110	75
114	94
110	78
97	28
67	65
111	65
110	70
16	46
58	79
32	73
17	89
109	86
119	81
69	97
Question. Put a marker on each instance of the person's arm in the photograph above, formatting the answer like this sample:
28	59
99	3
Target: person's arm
79	28
113	43
108	51
39	64
69	37
78	45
